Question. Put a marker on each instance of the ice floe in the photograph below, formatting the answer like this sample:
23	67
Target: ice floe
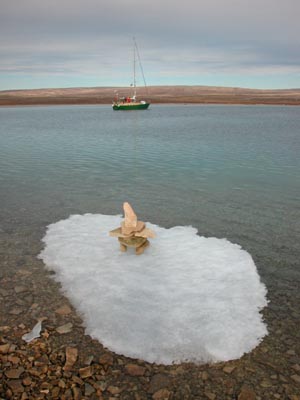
187	298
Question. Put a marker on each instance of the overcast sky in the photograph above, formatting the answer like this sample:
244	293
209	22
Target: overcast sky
75	43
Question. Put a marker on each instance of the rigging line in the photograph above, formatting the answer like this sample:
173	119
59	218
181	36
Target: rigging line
140	63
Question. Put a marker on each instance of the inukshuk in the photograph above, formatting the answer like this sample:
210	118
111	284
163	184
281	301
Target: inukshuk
132	233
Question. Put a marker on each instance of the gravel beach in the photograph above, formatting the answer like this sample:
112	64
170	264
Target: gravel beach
64	363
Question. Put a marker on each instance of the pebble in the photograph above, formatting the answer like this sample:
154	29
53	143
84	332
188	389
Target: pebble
246	393
114	390
4	293
135	370
86	372
63	310
204	376
66	328
162	394
77	394
16	386
106	359
51	367
14	373
5	328
228	369
4	348
27	381
158	381
88	389
20	289
296	378
16	311
282	378
210	396
88	360
78	380
265	383
296	367
13	359
71	357
102	385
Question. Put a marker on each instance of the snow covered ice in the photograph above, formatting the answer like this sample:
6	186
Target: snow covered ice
187	298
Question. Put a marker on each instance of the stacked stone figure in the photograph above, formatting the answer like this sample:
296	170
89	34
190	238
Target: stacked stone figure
132	233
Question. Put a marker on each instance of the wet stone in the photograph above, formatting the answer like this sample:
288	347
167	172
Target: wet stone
16	311
204	376
4	348
86	372
16	386
63	310
20	289
228	369
88	389
106	359
246	393
77	394
14	373
66	328
27	381
102	385
296	367
265	383
135	370
88	360
162	394
4	293
78	380
5	328
71	357
13	359
114	390
55	392
291	352
296	378
159	381
210	396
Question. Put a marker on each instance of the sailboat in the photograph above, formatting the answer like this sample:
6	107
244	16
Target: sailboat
131	102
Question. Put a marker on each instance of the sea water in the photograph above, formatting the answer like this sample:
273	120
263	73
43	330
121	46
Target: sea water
229	171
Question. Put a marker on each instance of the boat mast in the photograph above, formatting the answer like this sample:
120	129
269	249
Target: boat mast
134	78
138	58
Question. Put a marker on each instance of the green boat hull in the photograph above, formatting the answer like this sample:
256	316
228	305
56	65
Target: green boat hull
130	106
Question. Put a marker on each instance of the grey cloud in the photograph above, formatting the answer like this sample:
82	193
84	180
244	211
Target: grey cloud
86	35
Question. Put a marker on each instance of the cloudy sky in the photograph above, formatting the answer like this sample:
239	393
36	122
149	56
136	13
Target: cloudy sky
83	43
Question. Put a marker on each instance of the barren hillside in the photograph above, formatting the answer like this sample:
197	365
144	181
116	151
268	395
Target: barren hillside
156	94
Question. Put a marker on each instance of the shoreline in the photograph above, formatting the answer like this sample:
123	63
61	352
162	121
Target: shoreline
65	363
198	95
283	104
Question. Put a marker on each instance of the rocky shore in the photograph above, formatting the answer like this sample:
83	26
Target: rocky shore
64	363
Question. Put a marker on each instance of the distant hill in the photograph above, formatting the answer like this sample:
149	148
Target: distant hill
156	94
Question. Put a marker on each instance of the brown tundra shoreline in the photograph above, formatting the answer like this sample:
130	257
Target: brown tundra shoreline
156	94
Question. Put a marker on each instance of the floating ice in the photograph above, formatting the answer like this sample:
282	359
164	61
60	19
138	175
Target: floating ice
187	298
34	333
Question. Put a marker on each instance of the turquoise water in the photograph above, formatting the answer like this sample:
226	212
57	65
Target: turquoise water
230	171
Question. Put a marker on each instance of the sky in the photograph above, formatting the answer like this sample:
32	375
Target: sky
88	43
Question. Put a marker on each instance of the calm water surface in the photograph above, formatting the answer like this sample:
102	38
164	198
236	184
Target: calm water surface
230	171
